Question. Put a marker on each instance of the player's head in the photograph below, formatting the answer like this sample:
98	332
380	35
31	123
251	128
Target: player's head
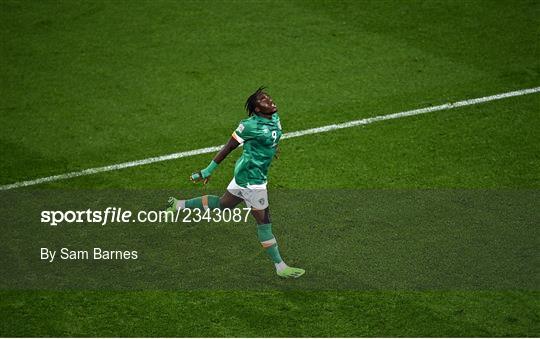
260	102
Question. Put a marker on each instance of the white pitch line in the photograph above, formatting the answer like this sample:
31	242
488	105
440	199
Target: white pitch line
316	130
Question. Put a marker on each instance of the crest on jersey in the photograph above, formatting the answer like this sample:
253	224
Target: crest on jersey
240	128
266	130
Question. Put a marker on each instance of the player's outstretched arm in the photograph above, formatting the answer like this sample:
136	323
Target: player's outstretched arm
205	173
230	146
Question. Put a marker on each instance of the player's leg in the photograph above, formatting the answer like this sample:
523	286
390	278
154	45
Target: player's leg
231	198
269	243
227	200
203	202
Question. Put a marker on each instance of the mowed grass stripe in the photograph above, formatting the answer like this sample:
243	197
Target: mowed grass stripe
295	134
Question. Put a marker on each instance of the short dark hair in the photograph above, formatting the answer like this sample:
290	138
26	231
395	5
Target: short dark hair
251	102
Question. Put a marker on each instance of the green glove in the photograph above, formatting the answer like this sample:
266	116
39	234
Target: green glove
205	172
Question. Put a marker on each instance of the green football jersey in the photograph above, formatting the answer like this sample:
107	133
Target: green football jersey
260	137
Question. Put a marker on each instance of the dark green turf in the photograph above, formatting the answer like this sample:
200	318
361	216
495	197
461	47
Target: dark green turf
270	314
87	84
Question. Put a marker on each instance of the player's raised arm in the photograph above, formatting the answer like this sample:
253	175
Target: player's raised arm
205	173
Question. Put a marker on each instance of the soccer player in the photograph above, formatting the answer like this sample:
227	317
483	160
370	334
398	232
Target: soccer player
259	134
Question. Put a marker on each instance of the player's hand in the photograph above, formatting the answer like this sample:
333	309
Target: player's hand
204	174
198	177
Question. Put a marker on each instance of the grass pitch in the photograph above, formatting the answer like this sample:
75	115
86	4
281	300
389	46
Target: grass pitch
88	84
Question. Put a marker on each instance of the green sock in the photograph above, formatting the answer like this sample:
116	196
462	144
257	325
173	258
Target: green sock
206	201
268	242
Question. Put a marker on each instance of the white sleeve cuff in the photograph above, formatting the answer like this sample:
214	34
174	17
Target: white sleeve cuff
238	138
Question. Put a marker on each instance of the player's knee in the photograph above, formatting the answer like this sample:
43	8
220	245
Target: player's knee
261	216
266	216
225	202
